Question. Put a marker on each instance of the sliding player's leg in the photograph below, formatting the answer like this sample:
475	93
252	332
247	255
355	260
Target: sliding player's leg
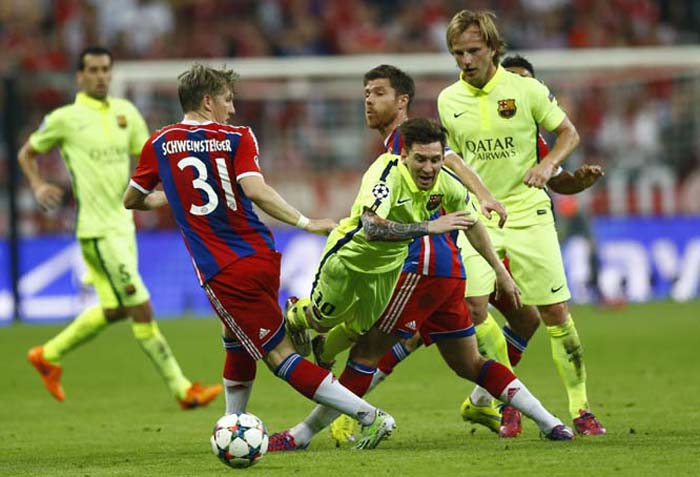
462	355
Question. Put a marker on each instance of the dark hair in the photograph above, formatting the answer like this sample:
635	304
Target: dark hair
422	131
482	19
93	50
401	82
518	61
201	80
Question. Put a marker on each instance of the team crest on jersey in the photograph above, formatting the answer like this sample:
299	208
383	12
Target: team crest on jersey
434	201
121	121
507	108
380	191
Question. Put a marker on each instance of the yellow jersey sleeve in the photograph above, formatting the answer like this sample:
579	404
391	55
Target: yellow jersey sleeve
544	106
50	133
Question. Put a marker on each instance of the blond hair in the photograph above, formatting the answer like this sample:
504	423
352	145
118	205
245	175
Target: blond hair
483	20
202	80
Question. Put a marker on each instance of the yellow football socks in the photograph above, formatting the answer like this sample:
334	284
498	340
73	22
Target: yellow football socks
492	343
82	329
567	354
156	347
338	339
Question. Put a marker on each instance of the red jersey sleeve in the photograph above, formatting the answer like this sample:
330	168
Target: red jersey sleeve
246	160
145	175
542	146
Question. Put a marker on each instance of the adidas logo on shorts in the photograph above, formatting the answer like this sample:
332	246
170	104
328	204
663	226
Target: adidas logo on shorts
263	333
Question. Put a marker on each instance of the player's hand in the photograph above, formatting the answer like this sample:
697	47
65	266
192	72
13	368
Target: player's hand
321	226
447	223
48	196
489	205
506	287
539	175
587	175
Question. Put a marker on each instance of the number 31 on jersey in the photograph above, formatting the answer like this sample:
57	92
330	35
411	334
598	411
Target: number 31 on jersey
200	183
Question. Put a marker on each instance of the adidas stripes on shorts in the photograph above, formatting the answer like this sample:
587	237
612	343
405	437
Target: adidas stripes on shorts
431	306
245	296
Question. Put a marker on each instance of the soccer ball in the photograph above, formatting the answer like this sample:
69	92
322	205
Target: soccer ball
239	440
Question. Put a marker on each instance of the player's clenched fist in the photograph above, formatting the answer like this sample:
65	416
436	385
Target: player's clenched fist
587	175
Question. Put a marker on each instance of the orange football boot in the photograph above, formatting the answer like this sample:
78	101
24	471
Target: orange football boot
50	373
199	395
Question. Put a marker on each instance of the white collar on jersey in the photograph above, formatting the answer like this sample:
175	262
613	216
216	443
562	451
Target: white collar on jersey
193	122
388	138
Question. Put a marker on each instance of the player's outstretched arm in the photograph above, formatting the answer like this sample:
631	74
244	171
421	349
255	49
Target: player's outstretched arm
505	286
47	195
269	200
135	199
581	179
378	228
473	182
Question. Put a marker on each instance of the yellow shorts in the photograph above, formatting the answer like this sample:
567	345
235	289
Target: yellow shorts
535	263
343	295
112	262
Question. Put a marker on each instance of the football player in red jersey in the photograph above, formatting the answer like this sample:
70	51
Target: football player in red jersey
211	178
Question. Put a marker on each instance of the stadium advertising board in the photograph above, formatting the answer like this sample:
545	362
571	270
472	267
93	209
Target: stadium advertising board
636	259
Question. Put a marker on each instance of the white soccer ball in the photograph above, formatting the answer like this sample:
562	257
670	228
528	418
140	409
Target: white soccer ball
239	440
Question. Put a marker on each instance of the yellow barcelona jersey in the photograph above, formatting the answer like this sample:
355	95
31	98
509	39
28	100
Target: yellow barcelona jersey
97	140
495	129
389	190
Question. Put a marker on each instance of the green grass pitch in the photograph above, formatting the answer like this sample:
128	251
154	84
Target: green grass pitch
118	418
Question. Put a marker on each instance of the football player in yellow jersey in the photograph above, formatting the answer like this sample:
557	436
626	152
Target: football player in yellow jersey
97	135
420	181
493	119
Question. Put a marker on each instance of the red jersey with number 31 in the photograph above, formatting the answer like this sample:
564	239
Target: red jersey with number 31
200	165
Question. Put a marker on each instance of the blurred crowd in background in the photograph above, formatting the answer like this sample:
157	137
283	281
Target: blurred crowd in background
47	34
640	124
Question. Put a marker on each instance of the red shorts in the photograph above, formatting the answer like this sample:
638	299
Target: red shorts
244	295
432	306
